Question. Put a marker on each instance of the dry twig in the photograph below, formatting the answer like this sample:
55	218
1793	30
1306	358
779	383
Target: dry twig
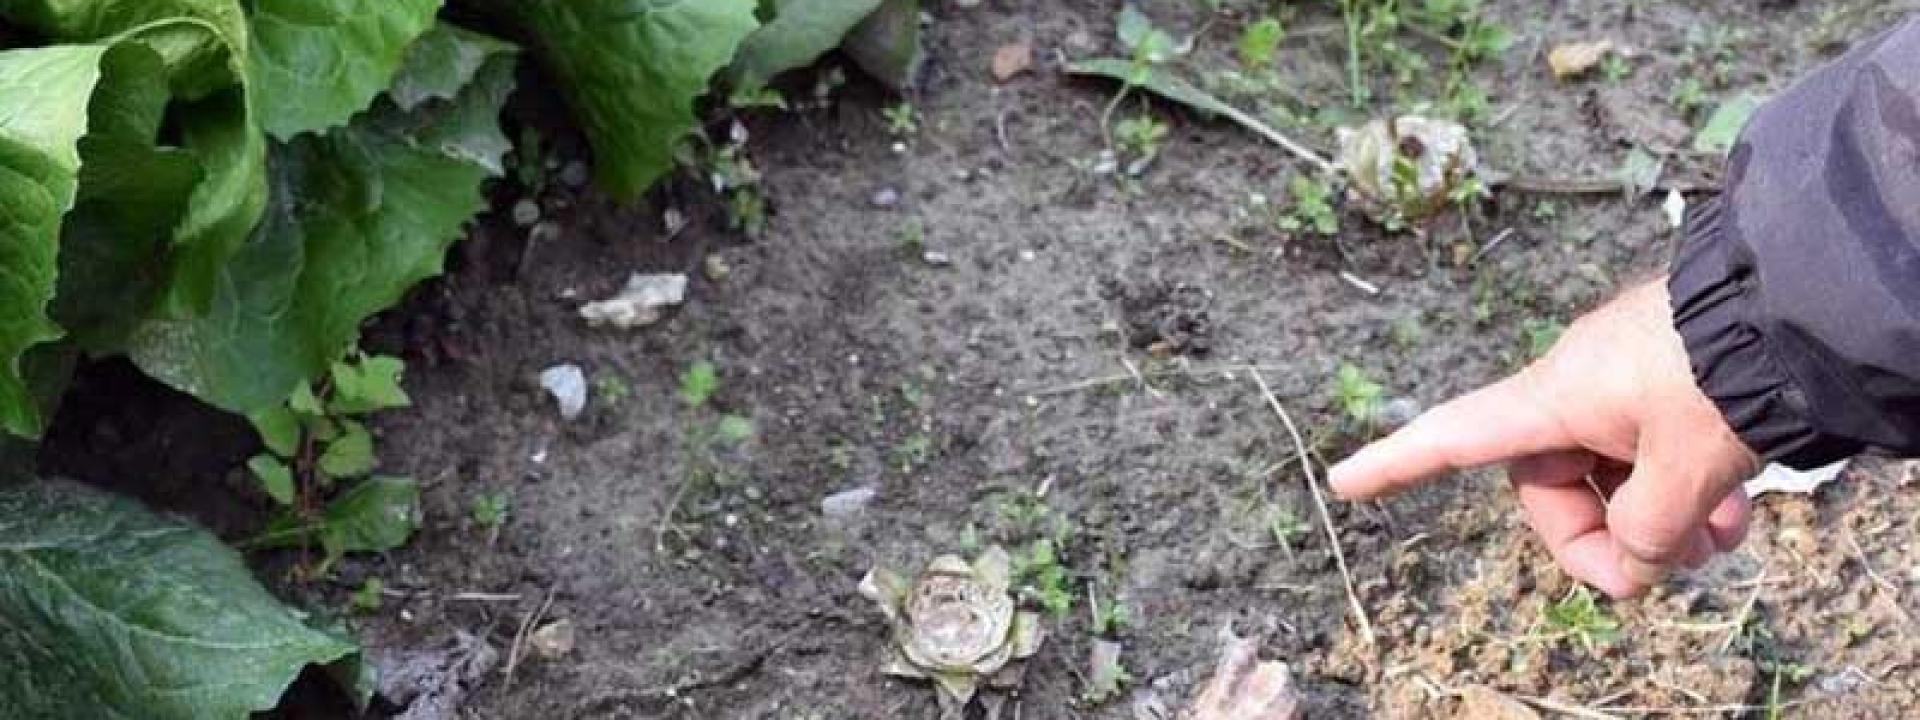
1320	502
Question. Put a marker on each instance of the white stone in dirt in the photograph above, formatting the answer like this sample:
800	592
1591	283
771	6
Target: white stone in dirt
642	302
848	503
568	386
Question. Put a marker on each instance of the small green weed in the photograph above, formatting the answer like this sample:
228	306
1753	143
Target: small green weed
1312	208
1042	579
1107	619
368	598
1615	68
1358	397
316	445
611	390
1259	43
912	237
902	119
1580	617
1285	527
1140	136
1540	335
490	509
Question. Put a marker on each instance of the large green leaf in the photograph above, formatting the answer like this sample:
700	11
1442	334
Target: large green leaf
358	216
801	31
315	63
44	95
110	611
632	69
204	46
113	244
887	44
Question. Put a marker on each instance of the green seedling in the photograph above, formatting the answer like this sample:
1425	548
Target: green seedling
1259	43
490	509
319	456
735	177
1541	334
1107	619
1140	136
902	119
1312	209
368	597
1615	68
611	390
708	434
912	237
1286	527
1043	580
1580	617
1358	397
1688	97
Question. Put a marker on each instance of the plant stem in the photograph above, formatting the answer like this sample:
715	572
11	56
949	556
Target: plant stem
1351	14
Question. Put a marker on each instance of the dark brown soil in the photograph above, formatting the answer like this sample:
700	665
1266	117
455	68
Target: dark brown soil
1081	362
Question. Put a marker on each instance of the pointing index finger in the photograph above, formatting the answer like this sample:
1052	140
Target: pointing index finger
1503	421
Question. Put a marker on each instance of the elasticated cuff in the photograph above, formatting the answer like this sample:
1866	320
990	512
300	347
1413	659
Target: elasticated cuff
1714	290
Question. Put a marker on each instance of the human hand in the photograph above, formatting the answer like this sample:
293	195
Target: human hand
1613	408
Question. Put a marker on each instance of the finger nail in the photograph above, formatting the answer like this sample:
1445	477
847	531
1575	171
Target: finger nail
1642	572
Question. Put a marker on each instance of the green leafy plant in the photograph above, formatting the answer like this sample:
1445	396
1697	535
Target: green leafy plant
1140	136
1286	527
1042	579
367	598
1358	397
1581	617
708	433
490	509
319	454
1312	208
902	119
1259	43
1107	619
223	191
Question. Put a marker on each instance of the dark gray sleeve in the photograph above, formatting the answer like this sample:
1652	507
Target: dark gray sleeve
1797	291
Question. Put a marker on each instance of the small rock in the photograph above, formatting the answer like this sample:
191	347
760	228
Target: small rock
574	174
1080	40
553	640
848	503
526	212
568	386
935	258
886	198
715	267
642	302
1012	60
673	221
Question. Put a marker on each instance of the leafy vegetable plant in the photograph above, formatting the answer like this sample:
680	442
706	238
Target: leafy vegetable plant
223	191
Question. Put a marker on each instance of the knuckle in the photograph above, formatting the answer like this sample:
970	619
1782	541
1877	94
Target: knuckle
1656	537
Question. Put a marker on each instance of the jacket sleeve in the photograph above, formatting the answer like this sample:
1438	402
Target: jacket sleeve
1797	291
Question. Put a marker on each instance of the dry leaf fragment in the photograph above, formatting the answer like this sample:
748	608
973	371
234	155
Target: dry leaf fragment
1011	60
1243	688
1572	59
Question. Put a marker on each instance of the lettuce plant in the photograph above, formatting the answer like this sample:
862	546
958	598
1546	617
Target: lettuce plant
224	191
